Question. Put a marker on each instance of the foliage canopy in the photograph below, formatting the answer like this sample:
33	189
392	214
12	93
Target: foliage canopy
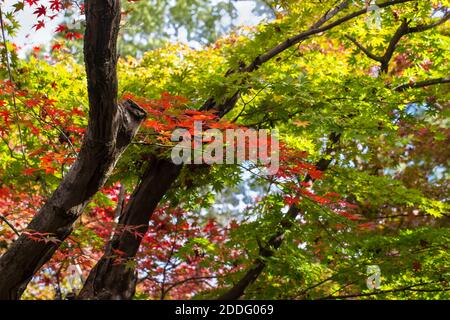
369	100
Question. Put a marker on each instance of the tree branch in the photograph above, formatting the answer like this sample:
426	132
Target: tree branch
316	28
379	292
10	225
277	239
400	32
111	280
422	28
365	50
422	84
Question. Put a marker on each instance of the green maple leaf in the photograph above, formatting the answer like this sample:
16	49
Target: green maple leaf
18	6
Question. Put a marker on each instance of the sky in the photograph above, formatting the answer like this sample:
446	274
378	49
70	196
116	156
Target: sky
27	38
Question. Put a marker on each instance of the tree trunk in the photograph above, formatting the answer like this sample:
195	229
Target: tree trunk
111	128
111	279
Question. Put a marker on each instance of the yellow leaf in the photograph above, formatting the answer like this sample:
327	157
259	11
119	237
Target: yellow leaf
302	124
277	98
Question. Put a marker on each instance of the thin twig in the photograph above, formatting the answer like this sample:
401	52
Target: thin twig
10	225
422	84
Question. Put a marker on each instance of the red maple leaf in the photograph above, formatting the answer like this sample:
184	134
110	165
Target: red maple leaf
73	35
5	115
29	171
39	25
55	5
61	28
289	200
41	11
32	102
56	46
350	216
367	225
31	2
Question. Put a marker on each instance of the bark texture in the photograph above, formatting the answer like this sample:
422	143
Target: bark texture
116	281
111	128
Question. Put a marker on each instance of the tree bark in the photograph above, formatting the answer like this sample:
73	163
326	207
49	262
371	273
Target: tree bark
114	280
110	129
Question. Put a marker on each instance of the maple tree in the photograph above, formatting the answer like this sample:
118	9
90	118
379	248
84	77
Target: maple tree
92	206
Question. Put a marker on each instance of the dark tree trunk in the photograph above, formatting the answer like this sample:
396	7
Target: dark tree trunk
112	280
111	128
115	281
